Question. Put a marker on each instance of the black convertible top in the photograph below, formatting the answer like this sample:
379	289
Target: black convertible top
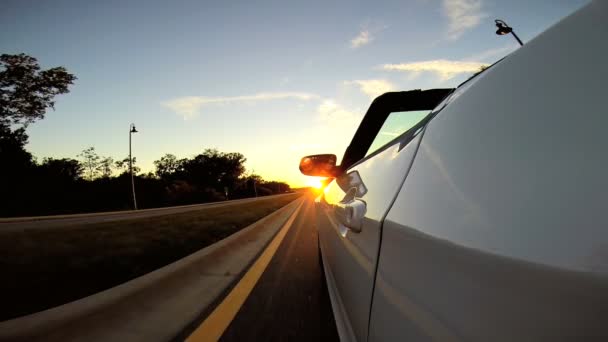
379	111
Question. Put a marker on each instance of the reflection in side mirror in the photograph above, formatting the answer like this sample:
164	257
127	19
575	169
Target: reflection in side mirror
321	165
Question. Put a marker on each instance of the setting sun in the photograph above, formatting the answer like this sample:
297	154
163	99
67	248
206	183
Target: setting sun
315	182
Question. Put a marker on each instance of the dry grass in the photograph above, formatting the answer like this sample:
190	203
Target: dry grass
44	268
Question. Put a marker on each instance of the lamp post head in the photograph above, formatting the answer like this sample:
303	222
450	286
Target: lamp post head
133	130
503	28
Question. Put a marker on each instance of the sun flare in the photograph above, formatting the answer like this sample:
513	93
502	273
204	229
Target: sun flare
315	182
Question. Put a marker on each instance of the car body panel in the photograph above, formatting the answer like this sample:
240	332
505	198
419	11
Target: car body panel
500	229
345	330
430	289
351	257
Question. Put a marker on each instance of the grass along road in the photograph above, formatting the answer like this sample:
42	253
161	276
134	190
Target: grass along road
84	220
49	267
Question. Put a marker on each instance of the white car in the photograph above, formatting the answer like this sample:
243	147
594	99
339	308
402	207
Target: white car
480	213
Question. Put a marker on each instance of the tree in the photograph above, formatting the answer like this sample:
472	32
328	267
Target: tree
214	169
106	165
65	169
12	150
16	169
277	187
167	166
90	161
26	91
124	165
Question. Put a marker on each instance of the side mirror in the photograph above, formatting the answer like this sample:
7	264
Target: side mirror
320	165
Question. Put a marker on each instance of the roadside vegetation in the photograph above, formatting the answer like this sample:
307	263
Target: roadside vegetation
43	268
90	182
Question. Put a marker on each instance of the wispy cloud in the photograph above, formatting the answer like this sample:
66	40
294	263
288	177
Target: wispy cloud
332	113
372	88
462	15
445	69
189	107
363	38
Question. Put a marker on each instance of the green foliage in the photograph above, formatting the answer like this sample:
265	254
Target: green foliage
26	91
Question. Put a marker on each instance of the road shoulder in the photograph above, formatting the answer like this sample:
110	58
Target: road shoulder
158	305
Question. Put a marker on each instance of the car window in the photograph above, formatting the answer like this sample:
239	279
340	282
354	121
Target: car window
395	125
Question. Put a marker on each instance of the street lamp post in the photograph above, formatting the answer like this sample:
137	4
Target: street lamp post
131	131
255	189
503	29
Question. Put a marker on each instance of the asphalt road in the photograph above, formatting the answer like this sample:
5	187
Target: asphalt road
290	301
22	223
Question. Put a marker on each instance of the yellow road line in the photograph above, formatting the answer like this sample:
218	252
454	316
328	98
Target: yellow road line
214	326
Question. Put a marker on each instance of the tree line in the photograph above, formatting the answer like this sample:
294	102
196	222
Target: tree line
91	182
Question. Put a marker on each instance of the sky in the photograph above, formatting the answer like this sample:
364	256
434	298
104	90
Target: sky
273	80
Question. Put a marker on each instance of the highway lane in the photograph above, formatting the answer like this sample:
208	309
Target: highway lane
290	301
23	223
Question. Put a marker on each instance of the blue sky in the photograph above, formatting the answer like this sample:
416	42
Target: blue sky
274	80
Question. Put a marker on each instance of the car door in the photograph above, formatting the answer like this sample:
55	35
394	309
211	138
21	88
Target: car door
499	232
352	207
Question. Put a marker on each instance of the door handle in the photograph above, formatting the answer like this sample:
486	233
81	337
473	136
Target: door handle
351	211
